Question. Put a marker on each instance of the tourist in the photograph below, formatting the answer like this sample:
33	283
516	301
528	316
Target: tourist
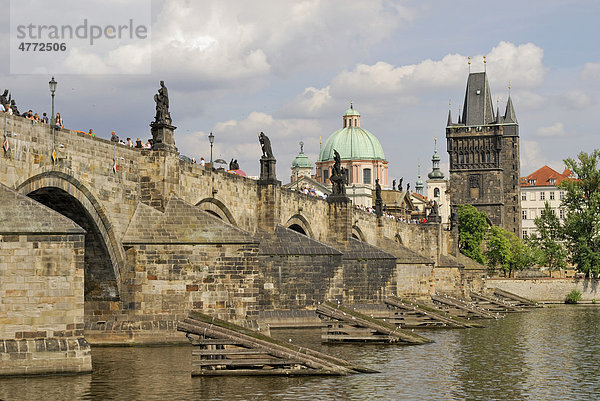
202	162
59	121
36	117
9	110
138	143
2	109
129	142
44	118
91	133
114	137
148	145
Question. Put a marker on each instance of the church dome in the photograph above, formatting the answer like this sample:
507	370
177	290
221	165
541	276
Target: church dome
301	161
352	142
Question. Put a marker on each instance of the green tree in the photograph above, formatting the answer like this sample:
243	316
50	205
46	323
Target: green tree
582	203
498	250
549	239
472	225
506	251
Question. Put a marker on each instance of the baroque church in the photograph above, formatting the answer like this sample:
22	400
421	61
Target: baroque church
483	150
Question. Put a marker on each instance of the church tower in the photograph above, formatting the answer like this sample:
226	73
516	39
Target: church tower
483	149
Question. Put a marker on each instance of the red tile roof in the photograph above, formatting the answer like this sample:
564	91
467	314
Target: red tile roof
543	176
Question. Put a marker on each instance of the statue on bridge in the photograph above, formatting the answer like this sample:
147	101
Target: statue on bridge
265	144
400	184
233	165
267	162
162	105
4	99
378	199
394	185
338	176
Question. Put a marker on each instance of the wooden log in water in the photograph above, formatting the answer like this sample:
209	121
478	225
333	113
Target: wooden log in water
450	321
523	302
354	318
496	304
464	306
318	363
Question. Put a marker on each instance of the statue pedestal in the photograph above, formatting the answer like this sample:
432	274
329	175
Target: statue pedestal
267	171
434	218
163	137
378	207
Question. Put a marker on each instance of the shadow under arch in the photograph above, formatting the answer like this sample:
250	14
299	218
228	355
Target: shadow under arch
298	222
358	234
104	255
217	208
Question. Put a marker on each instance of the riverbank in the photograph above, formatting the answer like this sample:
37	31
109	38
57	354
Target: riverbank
548	290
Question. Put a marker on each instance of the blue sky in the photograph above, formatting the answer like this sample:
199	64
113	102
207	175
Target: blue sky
291	68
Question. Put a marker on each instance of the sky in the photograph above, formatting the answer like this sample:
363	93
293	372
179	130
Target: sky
291	69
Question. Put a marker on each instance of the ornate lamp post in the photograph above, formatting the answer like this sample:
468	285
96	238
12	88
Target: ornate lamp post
211	139
52	85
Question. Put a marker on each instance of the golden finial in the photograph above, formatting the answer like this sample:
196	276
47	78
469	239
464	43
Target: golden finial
509	86
484	64
352	107
469	58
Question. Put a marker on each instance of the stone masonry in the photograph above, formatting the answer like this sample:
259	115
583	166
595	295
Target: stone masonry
41	290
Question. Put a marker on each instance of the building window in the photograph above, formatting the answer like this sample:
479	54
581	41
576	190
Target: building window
532	196
524	196
355	122
436	192
542	196
524	213
524	234
551	195
561	195
325	175
552	181
532	214
366	176
561	213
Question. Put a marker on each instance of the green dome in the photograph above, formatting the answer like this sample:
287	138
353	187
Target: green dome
352	143
351	112
301	161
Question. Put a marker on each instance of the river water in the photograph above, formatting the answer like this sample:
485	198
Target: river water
545	354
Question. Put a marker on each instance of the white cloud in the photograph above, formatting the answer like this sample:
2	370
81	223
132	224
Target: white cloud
591	71
239	139
576	100
382	85
554	130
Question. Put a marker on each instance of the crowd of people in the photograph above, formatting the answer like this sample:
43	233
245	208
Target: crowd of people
128	142
391	216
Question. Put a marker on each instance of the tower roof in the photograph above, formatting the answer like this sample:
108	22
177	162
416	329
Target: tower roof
478	108
301	160
509	115
435	173
352	143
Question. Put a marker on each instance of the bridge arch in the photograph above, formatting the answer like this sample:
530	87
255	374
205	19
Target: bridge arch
104	255
218	209
358	234
299	224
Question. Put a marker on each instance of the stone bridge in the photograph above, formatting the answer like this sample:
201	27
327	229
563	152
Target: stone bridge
163	236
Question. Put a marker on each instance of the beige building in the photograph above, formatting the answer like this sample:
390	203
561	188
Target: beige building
537	188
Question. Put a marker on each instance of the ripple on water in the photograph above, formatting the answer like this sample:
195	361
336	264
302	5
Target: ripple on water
545	354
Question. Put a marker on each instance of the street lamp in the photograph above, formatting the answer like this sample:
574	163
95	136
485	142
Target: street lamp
52	85
211	139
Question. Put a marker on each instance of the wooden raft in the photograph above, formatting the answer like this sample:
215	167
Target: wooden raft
341	324
461	308
224	349
516	299
494	304
415	315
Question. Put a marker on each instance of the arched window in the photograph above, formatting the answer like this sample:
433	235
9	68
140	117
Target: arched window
436	192
356	122
366	176
461	158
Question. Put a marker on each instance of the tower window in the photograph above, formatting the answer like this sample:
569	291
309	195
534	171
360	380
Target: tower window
325	174
366	176
436	192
